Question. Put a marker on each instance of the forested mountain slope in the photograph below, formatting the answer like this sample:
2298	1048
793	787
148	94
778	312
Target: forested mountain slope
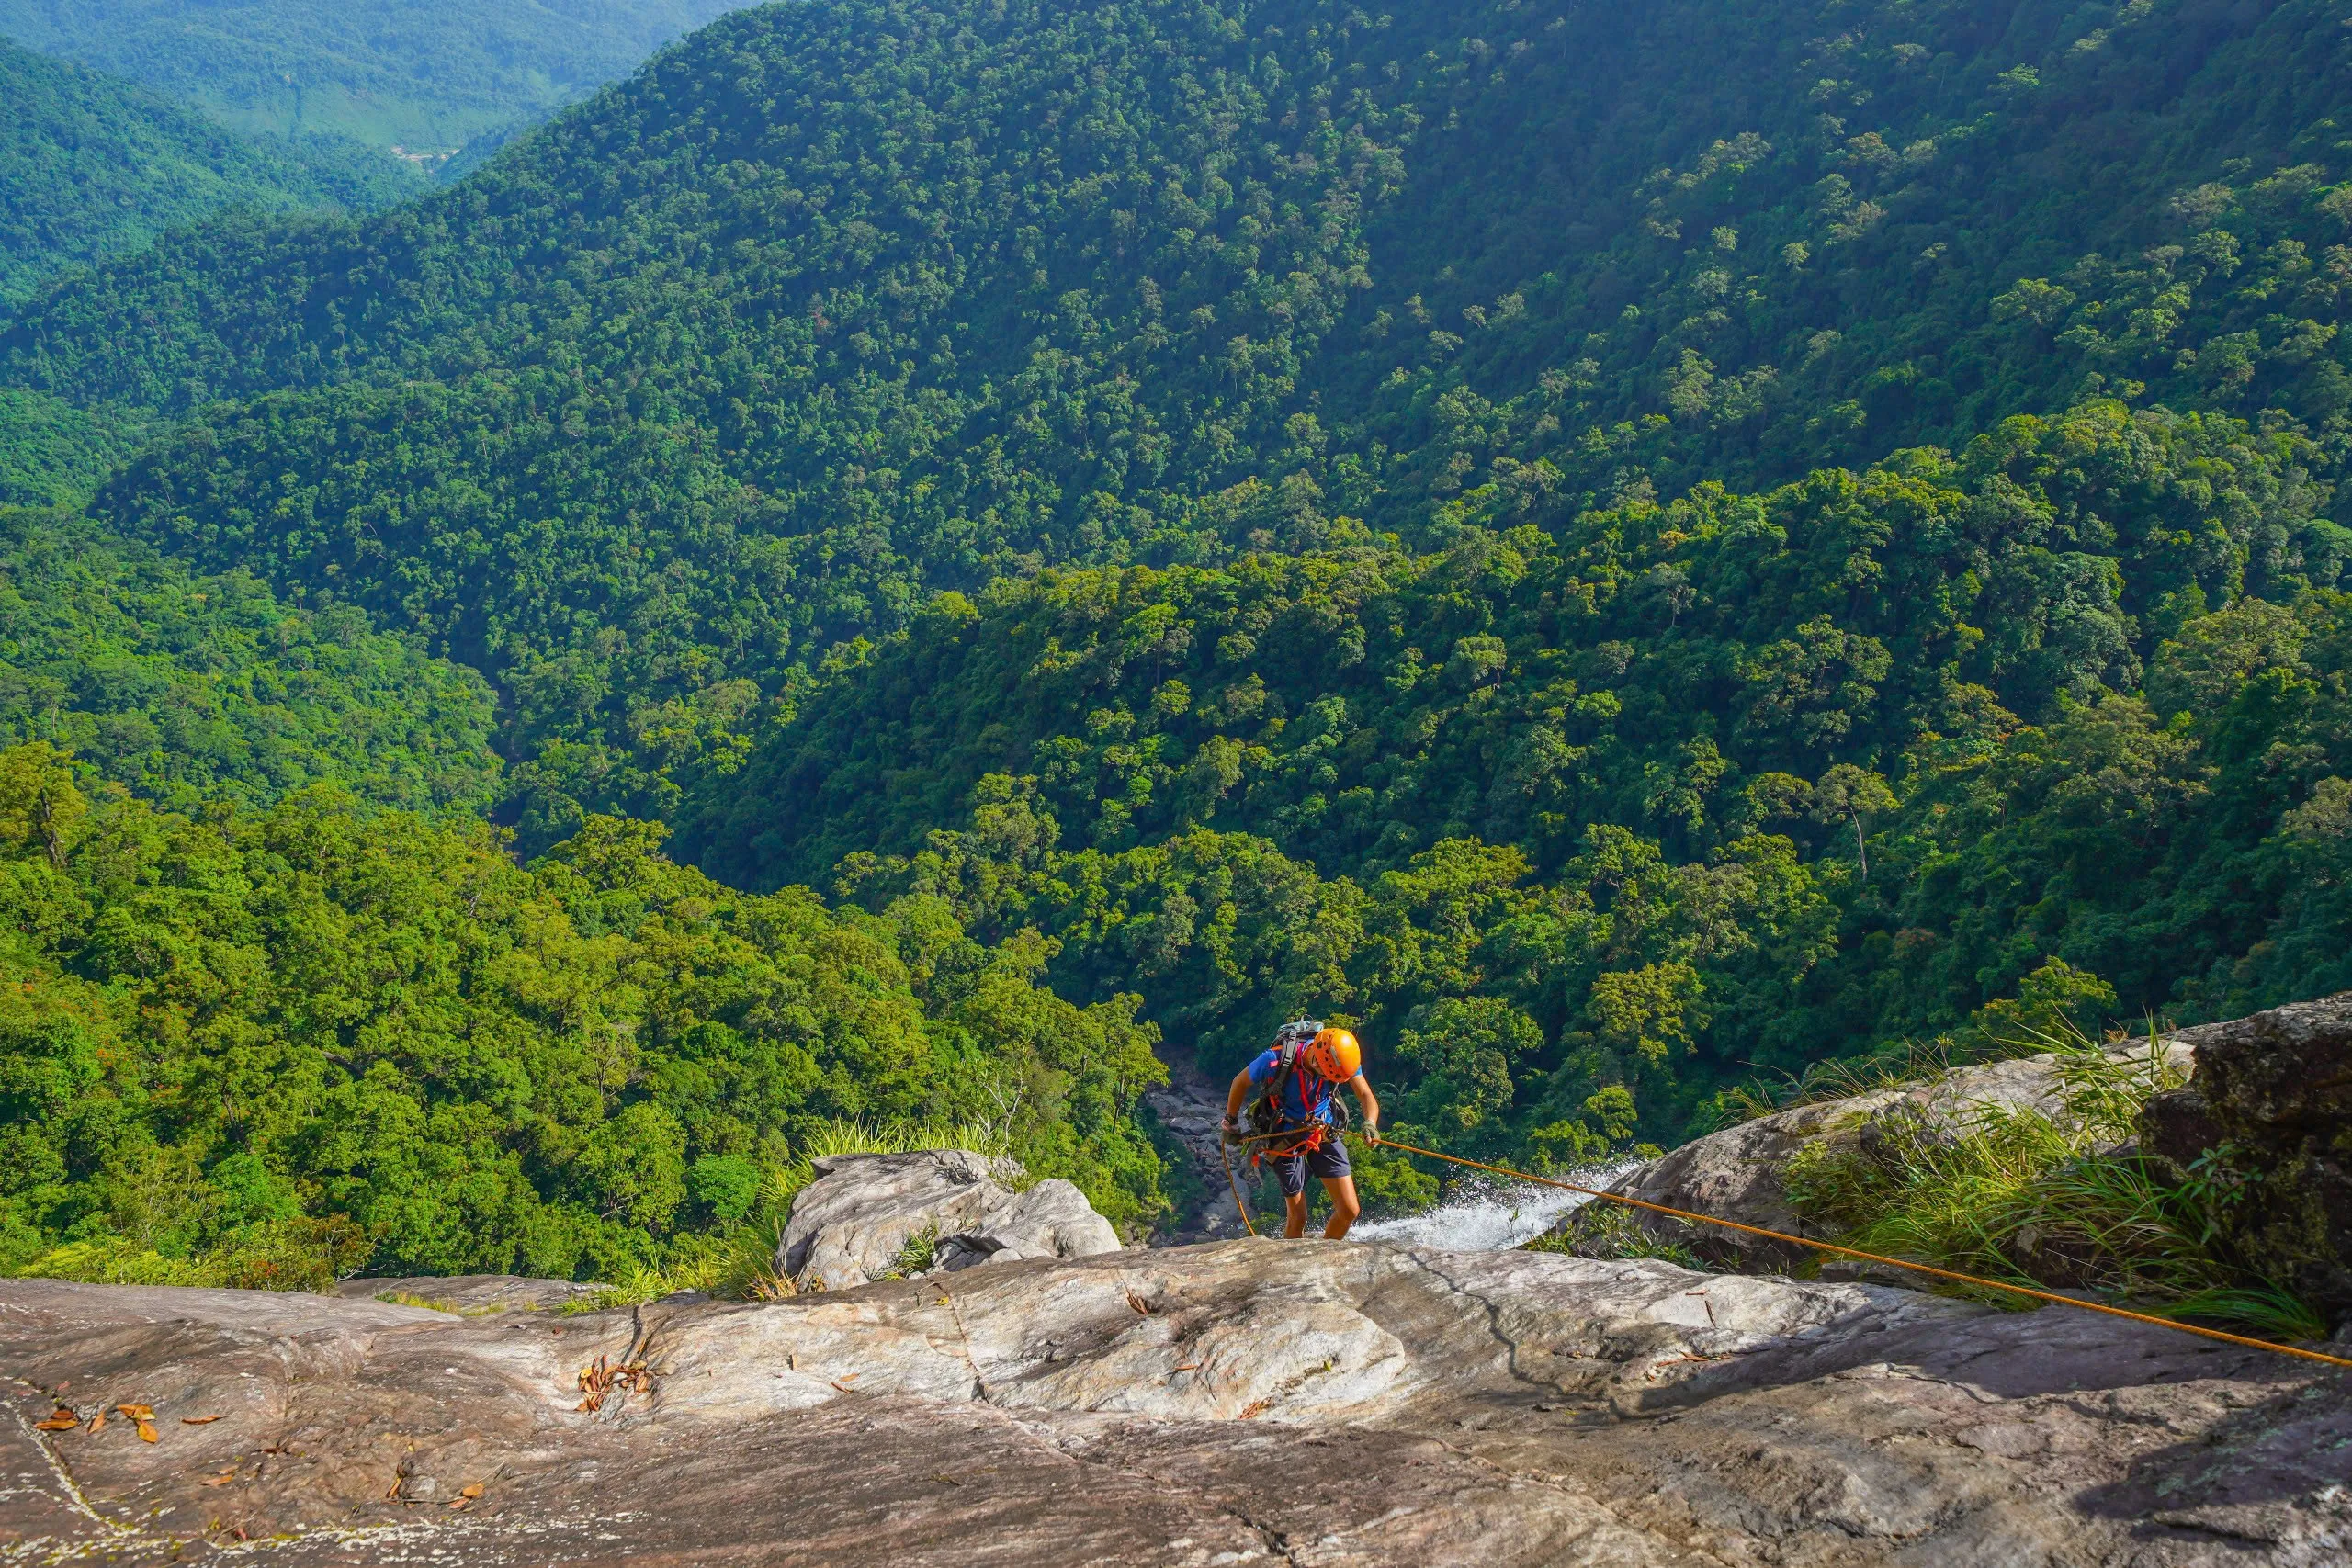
1498	513
205	690
1664	791
838	303
425	73
93	167
301	1039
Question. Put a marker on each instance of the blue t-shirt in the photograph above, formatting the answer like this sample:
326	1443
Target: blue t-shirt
1296	1109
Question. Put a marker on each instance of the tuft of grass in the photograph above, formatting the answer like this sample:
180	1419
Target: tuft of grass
1612	1231
2056	1201
916	1256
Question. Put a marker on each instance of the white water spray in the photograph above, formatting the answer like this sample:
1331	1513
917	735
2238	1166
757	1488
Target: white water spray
1483	1215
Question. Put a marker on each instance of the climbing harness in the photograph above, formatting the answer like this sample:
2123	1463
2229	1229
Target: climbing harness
1324	1115
2050	1296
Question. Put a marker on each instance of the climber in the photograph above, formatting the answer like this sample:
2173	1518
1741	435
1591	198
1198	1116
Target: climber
1297	1129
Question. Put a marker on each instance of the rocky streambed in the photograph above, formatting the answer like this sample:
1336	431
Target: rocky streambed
1306	1404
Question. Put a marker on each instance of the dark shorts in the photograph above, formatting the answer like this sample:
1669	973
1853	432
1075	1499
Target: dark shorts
1326	1162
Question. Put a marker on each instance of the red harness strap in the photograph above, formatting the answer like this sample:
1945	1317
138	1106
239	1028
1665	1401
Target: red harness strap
1311	1137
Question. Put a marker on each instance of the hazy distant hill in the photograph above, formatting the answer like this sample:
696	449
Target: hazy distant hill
92	167
424	74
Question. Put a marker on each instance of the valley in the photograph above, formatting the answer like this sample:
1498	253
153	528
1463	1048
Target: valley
894	576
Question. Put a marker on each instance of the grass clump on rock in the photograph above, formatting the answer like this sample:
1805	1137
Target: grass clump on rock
2062	1198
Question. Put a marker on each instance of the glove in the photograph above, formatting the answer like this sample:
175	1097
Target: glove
1233	1136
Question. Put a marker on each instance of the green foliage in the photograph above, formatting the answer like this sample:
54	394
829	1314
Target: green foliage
53	453
93	169
197	689
2033	1199
1782	808
1605	1230
219	1035
1136	280
1284	510
429	75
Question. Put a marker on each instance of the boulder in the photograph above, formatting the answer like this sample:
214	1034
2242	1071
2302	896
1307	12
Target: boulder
2271	1098
1320	1404
1735	1173
857	1221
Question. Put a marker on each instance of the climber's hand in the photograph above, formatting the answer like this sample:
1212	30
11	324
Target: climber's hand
1233	1135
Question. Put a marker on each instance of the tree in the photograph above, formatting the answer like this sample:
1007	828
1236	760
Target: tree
1852	794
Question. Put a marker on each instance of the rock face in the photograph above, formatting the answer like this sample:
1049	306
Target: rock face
853	1223
1191	1108
1316	1404
1737	1173
469	1293
2276	1088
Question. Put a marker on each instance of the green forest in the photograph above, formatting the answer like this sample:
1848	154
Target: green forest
93	167
1615	552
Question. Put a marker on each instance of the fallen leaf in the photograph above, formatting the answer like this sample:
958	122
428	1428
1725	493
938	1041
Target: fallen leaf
1190	1365
1141	1305
197	1420
222	1479
136	1412
63	1420
471	1492
146	1431
97	1423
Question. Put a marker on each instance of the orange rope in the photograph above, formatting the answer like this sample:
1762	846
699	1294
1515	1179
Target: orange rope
2050	1296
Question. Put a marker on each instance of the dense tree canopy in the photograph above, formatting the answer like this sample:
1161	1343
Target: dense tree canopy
842	303
215	1026
197	689
92	167
1750	778
1613	547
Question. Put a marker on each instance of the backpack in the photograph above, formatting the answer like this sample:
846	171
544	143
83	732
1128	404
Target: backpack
1291	1040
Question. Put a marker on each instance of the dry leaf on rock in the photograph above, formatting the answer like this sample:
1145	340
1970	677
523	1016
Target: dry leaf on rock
62	1420
197	1420
222	1479
97	1423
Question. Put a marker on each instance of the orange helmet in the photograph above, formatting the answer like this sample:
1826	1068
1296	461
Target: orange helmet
1335	1054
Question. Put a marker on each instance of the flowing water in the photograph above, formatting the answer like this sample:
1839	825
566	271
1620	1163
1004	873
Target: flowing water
1485	1215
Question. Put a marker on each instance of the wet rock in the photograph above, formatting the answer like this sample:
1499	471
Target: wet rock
1314	1404
870	1216
2271	1096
